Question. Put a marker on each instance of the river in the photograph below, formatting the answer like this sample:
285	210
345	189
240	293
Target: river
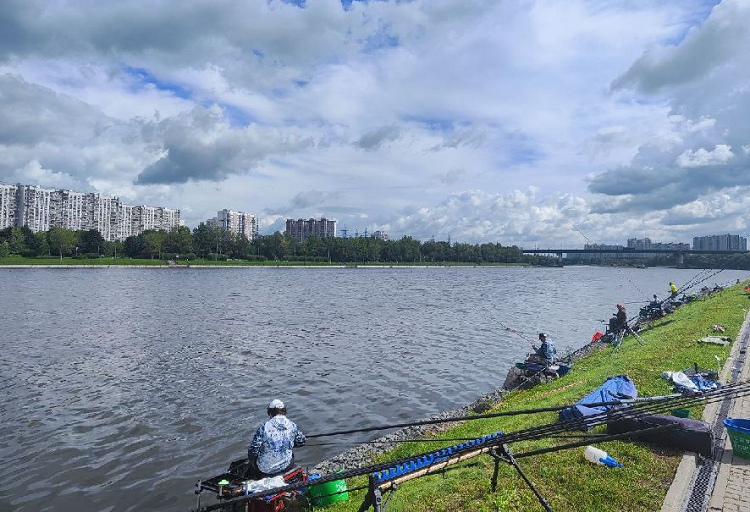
122	387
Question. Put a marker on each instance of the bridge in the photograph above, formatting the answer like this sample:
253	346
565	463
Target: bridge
629	250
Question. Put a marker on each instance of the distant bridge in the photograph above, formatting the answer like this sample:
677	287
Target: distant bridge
628	250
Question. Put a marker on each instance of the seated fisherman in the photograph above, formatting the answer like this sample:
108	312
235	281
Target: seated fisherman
270	452
619	321
672	290
546	351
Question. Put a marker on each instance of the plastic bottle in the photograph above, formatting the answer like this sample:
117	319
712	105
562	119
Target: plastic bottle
600	457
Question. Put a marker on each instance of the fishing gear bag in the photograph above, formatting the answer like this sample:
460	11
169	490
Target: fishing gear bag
686	435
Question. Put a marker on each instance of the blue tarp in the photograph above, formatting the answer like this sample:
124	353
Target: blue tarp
615	388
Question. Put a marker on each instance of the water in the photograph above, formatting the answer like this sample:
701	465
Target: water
122	387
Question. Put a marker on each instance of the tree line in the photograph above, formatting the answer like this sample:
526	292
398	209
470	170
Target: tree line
209	242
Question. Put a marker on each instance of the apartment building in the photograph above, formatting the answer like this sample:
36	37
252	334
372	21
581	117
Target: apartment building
235	222
8	205
41	209
724	242
301	229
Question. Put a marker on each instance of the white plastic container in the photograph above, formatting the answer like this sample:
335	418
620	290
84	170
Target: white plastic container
600	457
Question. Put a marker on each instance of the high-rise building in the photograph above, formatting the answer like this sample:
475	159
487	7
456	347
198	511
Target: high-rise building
41	209
301	229
8	205
239	223
725	242
647	244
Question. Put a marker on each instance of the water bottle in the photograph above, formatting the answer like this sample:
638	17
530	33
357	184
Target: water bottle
600	457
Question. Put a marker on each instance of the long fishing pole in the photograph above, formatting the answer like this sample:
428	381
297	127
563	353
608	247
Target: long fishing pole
618	269
516	412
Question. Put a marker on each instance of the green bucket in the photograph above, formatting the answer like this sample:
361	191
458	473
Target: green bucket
681	413
328	493
739	435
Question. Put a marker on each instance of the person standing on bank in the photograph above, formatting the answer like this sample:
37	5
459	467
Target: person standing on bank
270	452
673	290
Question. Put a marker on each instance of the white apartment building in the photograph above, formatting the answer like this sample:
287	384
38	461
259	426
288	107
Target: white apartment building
8	205
235	222
33	207
71	210
41	209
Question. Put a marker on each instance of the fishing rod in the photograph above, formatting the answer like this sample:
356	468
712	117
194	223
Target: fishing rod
516	332
738	390
618	269
454	419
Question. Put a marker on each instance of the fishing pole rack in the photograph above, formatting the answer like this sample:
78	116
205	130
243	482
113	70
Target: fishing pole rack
389	479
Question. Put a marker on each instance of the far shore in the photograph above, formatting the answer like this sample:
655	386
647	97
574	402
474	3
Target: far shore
266	265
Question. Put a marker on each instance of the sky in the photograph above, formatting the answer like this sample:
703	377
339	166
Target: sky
540	123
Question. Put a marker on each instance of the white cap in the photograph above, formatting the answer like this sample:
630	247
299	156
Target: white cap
276	404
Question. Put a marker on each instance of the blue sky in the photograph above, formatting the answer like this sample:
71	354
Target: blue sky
482	119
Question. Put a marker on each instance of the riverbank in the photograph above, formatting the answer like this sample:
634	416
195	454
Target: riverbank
19	262
564	478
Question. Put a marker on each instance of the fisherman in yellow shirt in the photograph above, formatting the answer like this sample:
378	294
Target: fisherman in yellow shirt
673	289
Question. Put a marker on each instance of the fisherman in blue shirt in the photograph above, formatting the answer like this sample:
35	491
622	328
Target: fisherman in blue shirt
270	452
546	352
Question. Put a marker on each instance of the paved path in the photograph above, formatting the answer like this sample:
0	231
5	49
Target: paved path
731	488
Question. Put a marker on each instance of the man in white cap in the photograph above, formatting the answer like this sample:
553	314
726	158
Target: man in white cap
270	452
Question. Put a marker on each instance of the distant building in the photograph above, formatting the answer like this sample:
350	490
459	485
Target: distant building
631	250
8	205
725	242
595	254
235	222
40	209
301	229
647	244
380	235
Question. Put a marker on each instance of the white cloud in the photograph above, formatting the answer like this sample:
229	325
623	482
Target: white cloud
721	154
407	115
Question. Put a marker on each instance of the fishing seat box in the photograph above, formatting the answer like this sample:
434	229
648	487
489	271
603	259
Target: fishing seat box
687	435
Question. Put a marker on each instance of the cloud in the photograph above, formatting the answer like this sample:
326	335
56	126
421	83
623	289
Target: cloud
715	43
378	138
303	201
452	176
202	145
376	111
721	154
705	77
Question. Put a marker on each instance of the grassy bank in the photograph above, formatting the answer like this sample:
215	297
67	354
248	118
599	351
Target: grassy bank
567	481
52	261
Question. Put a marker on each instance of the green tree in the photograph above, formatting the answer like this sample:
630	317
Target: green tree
113	248
153	242
205	239
134	246
40	244
61	241
17	241
91	241
4	249
178	240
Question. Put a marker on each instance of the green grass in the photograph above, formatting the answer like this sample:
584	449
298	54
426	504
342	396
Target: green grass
20	260
567	481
